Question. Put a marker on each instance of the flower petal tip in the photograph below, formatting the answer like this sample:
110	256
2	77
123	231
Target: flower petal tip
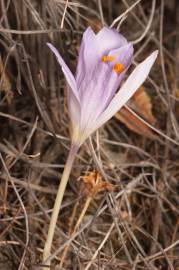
53	49
154	55
49	45
149	61
89	31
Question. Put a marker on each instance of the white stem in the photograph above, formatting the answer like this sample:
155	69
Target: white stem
60	193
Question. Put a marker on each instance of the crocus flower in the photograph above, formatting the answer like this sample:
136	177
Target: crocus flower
92	100
103	61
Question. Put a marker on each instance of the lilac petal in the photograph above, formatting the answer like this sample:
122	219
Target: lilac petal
74	110
68	75
109	39
101	88
123	55
134	81
88	56
95	101
91	97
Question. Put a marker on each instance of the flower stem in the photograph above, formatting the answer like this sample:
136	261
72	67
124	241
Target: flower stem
60	193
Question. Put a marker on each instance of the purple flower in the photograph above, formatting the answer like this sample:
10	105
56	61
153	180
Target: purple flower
103	61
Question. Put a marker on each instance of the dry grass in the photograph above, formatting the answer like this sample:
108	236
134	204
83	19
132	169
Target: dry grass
135	226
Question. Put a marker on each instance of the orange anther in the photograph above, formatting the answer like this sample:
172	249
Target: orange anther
107	58
118	68
104	58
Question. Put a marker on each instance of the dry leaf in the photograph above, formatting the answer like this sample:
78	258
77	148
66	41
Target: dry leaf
94	183
134	124
5	85
141	104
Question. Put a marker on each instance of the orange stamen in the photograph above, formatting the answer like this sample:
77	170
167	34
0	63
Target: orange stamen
118	68
107	58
